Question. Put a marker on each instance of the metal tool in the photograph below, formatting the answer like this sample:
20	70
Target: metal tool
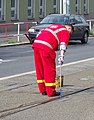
61	93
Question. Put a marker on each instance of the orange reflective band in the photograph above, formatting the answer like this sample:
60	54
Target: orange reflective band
40	81
50	84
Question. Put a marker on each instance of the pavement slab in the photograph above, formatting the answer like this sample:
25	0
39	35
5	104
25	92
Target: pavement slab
20	94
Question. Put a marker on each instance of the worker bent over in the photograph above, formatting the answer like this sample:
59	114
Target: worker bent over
45	45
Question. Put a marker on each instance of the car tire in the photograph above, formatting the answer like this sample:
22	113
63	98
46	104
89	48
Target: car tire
85	38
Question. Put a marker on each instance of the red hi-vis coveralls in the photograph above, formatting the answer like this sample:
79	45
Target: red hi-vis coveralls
45	45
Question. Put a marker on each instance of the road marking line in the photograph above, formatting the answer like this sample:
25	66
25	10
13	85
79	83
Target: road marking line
80	61
17	75
2	61
26	73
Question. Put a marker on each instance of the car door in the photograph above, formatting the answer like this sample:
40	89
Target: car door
78	27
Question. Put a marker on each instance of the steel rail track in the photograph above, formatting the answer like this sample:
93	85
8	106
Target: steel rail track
22	107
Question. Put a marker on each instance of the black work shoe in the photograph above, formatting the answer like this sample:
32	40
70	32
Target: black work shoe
44	93
56	94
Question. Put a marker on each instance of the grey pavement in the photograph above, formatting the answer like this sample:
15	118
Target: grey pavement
20	98
13	40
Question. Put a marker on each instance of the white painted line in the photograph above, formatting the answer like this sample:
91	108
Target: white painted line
2	61
80	61
26	73
17	75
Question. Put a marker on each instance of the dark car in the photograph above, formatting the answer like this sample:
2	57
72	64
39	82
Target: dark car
81	27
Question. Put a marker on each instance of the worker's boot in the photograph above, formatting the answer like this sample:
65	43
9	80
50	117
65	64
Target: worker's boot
56	94
44	93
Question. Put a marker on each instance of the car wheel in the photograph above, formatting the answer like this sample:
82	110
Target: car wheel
85	38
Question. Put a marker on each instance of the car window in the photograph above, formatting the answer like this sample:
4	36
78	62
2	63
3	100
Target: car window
45	20
78	20
55	19
75	19
49	19
72	19
63	20
83	20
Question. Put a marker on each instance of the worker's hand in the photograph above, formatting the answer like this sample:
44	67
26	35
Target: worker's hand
60	59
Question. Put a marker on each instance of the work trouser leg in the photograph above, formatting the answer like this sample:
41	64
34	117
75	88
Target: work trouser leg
49	72
39	69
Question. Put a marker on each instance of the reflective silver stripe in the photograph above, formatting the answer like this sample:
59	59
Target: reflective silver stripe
55	32
58	30
43	42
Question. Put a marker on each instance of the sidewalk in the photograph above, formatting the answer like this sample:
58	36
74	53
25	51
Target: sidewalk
4	42
19	96
23	40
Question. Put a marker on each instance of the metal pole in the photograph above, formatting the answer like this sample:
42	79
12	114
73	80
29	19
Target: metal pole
18	35
60	80
18	32
90	25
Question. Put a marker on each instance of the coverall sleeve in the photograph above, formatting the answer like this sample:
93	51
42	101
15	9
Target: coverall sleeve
65	37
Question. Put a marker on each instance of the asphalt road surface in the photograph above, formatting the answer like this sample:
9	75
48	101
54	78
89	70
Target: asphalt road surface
19	59
19	95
